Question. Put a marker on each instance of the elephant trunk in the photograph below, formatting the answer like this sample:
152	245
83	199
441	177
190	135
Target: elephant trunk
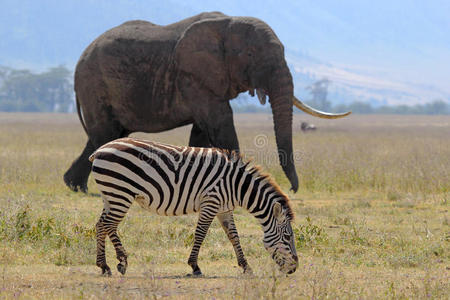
280	96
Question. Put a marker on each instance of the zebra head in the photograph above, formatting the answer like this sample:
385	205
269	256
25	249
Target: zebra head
279	239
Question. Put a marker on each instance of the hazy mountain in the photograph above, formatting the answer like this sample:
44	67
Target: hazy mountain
350	84
383	52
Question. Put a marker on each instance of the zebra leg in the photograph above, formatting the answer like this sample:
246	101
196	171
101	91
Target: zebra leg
115	208
121	254
205	218
227	222
101	236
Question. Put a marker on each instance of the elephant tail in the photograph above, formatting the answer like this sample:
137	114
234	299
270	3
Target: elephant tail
92	157
80	116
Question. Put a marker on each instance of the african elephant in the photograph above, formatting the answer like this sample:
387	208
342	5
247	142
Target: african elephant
144	77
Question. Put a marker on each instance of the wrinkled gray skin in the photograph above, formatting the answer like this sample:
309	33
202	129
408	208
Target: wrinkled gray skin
144	77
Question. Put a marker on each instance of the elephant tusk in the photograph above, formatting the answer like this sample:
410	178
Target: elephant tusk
261	96
317	113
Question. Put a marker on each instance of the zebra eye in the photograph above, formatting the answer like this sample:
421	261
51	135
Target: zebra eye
287	236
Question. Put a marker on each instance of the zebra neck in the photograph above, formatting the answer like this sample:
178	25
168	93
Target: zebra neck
256	195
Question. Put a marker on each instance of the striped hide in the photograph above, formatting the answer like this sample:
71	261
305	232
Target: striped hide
173	181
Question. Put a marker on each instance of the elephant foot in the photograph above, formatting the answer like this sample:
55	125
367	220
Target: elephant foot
75	184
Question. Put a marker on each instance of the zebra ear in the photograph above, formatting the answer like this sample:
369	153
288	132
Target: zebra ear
277	210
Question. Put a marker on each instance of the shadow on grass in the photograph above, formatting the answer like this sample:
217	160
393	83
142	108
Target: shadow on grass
187	276
94	194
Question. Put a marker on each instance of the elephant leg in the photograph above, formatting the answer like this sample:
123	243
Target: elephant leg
199	137
77	175
216	126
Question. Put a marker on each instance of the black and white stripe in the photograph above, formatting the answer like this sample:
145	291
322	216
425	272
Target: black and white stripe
170	180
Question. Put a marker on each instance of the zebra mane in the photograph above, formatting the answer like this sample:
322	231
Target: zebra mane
256	171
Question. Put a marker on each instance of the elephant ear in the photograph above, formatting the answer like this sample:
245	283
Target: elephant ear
200	53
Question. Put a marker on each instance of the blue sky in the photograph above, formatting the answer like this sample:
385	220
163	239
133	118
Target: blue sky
407	41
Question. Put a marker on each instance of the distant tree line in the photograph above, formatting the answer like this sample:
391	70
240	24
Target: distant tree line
319	100
49	91
52	91
319	92
437	107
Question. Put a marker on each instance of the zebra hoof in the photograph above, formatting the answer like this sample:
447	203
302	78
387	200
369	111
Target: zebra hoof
196	273
248	271
122	268
106	271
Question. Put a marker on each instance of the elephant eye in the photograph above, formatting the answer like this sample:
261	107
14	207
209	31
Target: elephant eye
249	54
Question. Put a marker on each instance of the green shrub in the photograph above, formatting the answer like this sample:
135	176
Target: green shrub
310	235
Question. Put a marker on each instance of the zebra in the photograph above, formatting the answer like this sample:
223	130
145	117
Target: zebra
173	180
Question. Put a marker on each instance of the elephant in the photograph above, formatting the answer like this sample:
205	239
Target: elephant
144	77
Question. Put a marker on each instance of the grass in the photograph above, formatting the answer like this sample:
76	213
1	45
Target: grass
372	216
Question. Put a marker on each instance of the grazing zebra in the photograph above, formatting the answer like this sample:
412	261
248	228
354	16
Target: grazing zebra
172	181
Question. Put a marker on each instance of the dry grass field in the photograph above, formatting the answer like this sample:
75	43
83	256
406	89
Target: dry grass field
372	217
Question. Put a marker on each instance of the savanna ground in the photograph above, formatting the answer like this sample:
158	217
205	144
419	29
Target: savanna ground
372	216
